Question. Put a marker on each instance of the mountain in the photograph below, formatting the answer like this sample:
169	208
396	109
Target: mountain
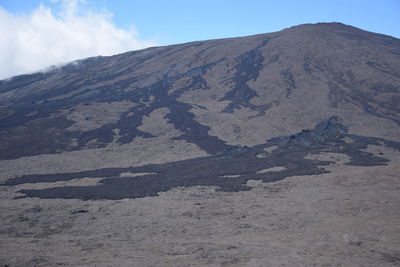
314	100
239	91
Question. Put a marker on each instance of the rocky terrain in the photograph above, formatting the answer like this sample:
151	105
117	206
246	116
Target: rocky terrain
279	149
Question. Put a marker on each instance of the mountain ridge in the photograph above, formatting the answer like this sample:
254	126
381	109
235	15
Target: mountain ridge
276	72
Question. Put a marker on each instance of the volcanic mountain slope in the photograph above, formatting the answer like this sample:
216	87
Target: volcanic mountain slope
213	94
193	137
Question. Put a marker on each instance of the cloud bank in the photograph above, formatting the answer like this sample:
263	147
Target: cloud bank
34	41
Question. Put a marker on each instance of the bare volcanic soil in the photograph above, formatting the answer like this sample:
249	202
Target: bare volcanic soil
278	149
346	216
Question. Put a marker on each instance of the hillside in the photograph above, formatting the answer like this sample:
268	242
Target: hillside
209	151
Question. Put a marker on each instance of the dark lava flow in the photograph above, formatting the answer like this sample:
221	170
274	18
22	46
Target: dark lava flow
241	162
34	111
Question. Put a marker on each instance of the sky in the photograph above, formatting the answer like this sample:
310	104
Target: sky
39	33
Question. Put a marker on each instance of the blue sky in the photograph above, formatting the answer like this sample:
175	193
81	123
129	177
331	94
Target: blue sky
180	20
175	21
40	33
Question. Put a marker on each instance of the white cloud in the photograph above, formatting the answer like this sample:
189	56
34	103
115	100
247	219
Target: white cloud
34	41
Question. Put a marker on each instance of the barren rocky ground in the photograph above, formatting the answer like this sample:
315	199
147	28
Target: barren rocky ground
279	149
348	217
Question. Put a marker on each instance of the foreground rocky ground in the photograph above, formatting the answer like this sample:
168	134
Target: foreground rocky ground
348	217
